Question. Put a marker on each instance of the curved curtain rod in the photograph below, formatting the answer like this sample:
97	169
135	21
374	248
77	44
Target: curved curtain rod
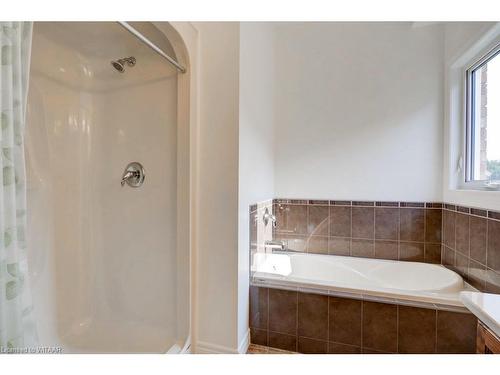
153	46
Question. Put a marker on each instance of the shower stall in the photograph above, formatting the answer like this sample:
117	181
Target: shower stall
108	244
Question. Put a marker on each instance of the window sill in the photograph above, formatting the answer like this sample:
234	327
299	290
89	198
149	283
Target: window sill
473	189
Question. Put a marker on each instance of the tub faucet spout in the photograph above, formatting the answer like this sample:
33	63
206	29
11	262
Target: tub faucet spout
275	245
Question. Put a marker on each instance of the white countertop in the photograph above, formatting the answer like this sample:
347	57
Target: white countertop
485	306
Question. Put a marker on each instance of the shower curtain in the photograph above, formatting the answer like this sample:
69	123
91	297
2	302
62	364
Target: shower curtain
17	328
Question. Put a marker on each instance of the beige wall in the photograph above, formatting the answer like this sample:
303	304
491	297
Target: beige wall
359	111
256	140
217	187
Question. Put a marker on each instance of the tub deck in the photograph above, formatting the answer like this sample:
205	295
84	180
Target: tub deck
407	283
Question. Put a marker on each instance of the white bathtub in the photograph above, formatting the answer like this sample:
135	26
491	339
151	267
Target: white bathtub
412	283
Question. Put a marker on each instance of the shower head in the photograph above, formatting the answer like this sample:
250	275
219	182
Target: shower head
120	64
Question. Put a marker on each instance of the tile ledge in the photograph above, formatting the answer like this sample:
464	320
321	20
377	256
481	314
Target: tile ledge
485	306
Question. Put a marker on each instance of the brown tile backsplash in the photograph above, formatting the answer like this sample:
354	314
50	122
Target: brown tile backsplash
363	248
386	223
478	239
462	233
461	264
327	324
386	249
387	204
432	253
412	223
295	219
479	212
448	257
361	228
472	245
362	203
477	275
412	251
317	244
492	281
449	228
493	250
339	246
464	239
340	203
318	220
340	221
433	225
494	215
363	222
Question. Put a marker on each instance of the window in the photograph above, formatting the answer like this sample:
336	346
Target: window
483	121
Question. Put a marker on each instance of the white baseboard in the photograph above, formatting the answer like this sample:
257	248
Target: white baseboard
245	343
203	347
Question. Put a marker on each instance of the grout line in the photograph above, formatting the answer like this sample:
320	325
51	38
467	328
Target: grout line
297	325
487	242
425	236
397	328
350	235
328	321
399	233
436	331
307	231
468	246
455	237
442	238
362	319
374	230
268	314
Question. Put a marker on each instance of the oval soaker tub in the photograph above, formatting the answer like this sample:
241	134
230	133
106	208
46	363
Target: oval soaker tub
415	283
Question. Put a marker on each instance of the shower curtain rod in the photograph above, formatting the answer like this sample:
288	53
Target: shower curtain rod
153	46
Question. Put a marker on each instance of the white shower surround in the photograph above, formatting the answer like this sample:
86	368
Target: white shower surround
110	265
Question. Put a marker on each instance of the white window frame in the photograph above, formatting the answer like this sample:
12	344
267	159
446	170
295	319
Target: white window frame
467	183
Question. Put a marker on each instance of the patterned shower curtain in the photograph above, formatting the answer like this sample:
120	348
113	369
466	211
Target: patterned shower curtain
17	328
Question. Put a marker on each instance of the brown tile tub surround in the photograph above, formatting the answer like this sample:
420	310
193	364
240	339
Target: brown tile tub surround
464	239
385	230
314	323
471	245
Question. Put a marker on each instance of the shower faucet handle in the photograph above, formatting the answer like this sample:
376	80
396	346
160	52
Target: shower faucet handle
269	217
129	175
133	175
